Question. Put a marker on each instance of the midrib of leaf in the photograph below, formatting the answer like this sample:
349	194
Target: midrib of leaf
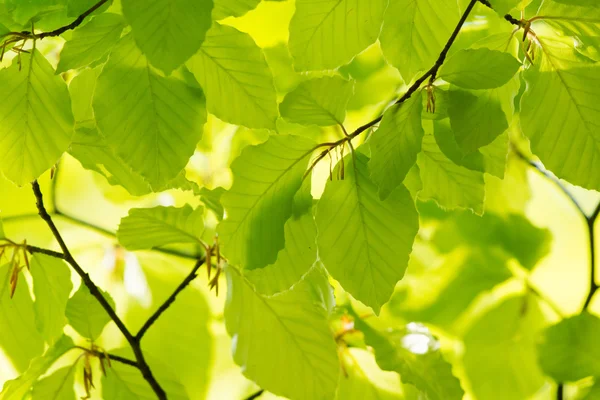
568	89
64	382
239	84
312	36
277	318
29	70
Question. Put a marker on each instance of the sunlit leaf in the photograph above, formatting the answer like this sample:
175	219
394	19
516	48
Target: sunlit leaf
57	386
86	315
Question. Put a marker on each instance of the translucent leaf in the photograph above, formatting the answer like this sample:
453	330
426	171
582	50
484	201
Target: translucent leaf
20	341
330	33
415	32
568	351
424	368
561	97
265	179
145	228
395	145
439	293
17	388
57	386
232	8
124	382
502	7
501	345
479	68
86	315
363	241
476	118
237	81
36	123
212	200
293	261
284	342
450	185
168	32
318	101
51	287
77	7
24	11
153	123
91	42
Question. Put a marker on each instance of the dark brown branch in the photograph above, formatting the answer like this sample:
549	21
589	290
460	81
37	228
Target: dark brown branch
255	395
593	286
188	279
95	291
113	357
51	253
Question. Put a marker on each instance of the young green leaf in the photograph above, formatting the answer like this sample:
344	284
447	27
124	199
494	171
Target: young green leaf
284	343
19	340
414	33
145	228
363	241
450	185
51	287
395	145
86	315
330	33
168	32
266	178
504	337
476	118
36	122
568	350
559	98
212	200
91	42
479	68
77	7
502	7
237	81
57	386
19	387
318	101
151	122
232	8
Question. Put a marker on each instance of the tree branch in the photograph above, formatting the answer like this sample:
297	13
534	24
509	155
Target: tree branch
192	275
95	291
255	395
113	357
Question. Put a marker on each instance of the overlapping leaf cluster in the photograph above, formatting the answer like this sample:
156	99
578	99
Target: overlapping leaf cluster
324	203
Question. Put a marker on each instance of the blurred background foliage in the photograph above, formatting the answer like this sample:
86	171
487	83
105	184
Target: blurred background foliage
484	286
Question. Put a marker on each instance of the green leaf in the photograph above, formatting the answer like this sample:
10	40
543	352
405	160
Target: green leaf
479	68
232	8
51	287
330	33
293	261
502	7
91	42
145	228
395	145
17	388
212	200
77	7
86	315
450	185
558	99
439	293
124	382
424	368
568	350
501	345
151	122
363	241
284	342
24	11
237	81
476	118
36	123
266	178
58	386
415	32
168	32
318	101
20	340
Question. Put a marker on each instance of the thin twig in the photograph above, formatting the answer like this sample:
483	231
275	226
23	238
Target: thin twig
188	279
593	286
560	389
255	395
113	357
95	291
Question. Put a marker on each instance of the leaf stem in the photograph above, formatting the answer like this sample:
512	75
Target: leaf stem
255	395
95	291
